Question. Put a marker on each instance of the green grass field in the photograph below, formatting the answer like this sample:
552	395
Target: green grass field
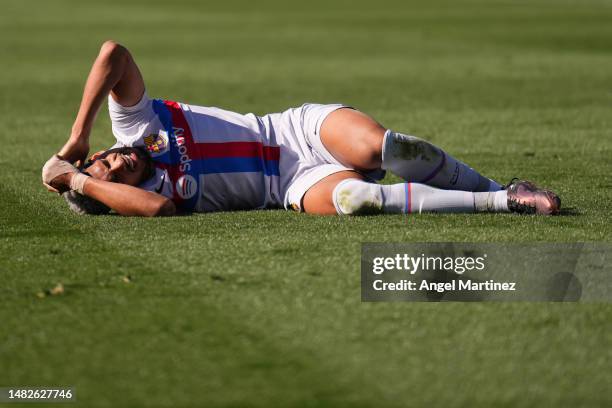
263	308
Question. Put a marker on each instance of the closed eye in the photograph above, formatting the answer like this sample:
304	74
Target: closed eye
106	163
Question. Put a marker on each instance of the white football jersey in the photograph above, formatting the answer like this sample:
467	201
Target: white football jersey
206	159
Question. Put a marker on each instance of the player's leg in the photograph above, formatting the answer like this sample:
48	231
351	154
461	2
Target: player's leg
353	138
347	193
318	198
358	141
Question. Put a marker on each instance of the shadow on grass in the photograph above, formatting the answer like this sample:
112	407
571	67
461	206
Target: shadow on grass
570	212
114	214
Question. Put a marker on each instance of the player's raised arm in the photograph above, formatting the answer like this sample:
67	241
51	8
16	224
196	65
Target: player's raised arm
114	71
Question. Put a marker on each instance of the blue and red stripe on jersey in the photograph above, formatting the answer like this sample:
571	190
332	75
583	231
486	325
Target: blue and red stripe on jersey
208	157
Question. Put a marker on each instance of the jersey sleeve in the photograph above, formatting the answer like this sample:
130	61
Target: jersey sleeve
160	183
131	123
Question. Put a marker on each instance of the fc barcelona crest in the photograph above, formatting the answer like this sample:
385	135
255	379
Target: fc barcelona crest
156	144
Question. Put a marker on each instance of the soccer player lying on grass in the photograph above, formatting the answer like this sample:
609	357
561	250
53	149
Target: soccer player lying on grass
322	159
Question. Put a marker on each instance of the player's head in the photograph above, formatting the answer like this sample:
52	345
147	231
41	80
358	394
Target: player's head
125	165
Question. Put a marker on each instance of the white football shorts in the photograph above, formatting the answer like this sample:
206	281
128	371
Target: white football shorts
304	160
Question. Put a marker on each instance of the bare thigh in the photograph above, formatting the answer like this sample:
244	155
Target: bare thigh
353	138
318	199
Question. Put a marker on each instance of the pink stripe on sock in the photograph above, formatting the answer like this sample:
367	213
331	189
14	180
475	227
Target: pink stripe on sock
408	203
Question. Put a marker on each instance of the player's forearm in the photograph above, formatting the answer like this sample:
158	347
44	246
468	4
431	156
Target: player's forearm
129	200
106	72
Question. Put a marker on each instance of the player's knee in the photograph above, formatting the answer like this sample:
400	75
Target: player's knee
367	157
357	197
368	149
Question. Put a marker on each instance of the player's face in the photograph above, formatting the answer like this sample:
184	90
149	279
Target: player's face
124	167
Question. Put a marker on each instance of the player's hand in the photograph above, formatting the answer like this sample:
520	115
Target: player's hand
75	150
57	174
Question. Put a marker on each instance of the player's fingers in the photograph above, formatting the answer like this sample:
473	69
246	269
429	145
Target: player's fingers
54	167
